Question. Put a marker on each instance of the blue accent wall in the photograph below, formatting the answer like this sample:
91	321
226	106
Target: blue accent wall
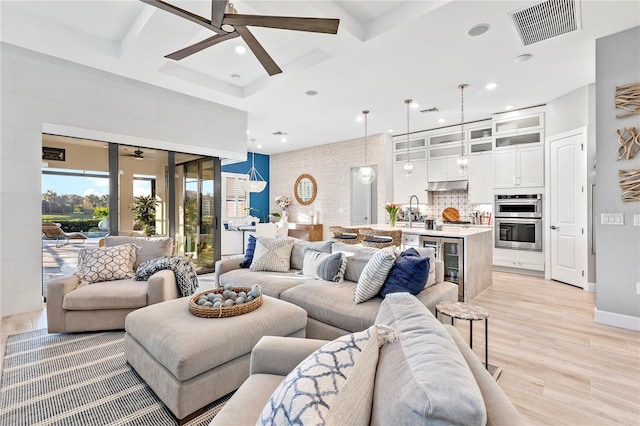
257	200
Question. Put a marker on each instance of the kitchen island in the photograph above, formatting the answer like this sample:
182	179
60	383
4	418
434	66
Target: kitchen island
466	251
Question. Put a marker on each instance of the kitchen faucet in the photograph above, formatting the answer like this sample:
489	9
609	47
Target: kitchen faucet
410	211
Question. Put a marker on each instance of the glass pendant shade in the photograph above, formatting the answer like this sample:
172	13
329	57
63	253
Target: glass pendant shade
463	165
408	169
366	175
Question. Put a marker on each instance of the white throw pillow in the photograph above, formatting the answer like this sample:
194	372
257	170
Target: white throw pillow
374	275
106	264
333	385
272	254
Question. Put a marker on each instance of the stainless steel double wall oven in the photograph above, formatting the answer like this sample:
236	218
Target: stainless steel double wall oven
518	222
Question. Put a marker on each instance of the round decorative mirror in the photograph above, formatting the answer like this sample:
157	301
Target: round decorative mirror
305	189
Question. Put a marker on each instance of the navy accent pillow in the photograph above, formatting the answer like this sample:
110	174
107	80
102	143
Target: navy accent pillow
248	254
409	274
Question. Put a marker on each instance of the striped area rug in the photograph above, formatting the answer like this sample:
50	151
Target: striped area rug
79	379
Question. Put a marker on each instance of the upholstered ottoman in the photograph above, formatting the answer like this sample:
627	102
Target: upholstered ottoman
190	361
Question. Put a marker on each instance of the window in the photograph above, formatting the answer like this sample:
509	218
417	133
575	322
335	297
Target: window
235	198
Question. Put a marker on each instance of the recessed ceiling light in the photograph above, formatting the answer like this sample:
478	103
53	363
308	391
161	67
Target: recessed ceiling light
390	130
441	120
241	50
283	139
491	86
359	118
508	107
248	132
479	29
523	58
415	105
311	93
259	146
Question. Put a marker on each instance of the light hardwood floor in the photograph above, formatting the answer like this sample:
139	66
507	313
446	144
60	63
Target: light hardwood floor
558	366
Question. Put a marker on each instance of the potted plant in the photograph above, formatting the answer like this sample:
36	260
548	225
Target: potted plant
144	213
102	214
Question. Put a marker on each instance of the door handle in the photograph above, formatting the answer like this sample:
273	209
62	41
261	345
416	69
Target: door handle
555	228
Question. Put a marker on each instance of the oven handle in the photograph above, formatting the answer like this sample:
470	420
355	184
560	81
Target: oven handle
517	220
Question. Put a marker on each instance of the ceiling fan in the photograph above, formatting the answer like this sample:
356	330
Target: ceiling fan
227	23
138	154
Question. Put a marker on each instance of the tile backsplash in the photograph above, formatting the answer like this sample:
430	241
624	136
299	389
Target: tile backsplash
456	199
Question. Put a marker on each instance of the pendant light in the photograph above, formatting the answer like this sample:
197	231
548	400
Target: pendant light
256	182
463	160
366	174
408	166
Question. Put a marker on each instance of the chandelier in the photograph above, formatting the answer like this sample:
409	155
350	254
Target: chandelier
256	182
366	174
408	166
463	160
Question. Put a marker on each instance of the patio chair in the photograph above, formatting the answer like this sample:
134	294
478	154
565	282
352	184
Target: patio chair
53	230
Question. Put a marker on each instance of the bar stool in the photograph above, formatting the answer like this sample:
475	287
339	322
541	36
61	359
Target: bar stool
379	238
346	235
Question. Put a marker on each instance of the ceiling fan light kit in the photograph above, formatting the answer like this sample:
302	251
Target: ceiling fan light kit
227	23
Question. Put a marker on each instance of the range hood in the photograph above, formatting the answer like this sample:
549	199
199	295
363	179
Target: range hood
450	185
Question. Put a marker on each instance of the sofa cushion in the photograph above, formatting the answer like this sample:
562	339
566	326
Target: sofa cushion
248	253
106	264
409	274
146	248
299	247
272	254
324	266
374	275
357	258
272	283
425	372
333	385
332	303
430	253
121	294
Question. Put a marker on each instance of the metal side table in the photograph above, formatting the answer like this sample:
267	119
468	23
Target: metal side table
471	313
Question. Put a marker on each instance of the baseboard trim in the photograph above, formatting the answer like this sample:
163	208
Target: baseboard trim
591	287
617	320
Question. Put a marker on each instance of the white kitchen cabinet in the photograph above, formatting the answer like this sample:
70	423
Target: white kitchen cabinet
444	169
481	175
404	187
519	166
518	122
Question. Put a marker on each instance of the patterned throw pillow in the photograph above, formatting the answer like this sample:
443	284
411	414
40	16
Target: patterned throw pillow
248	253
324	266
409	274
374	275
272	255
332	385
106	264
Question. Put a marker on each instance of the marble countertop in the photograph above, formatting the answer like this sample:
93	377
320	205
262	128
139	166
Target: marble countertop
447	231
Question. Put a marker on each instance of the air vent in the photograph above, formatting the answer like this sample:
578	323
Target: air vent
279	133
546	20
432	109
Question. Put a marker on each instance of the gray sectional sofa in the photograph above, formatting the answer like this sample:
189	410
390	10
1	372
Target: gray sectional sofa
330	307
428	376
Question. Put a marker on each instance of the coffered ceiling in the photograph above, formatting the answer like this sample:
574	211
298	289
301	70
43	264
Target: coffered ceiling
384	52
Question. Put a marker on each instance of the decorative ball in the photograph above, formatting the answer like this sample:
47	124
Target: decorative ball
257	288
228	286
233	295
226	294
242	294
202	301
240	300
207	304
228	302
217	304
210	297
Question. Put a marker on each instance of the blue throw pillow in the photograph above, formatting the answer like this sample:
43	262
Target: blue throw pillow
248	254
409	274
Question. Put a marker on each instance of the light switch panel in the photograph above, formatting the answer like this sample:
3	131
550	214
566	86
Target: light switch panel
612	219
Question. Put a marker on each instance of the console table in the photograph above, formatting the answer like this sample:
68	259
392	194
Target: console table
305	231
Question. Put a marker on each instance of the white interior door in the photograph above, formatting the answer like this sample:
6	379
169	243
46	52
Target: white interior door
568	208
360	200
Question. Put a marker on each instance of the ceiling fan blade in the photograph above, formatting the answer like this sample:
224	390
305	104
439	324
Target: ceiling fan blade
195	48
184	14
217	12
267	62
315	25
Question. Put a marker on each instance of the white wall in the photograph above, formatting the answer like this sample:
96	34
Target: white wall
41	92
617	247
330	165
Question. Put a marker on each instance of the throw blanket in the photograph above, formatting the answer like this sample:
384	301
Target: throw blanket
186	278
